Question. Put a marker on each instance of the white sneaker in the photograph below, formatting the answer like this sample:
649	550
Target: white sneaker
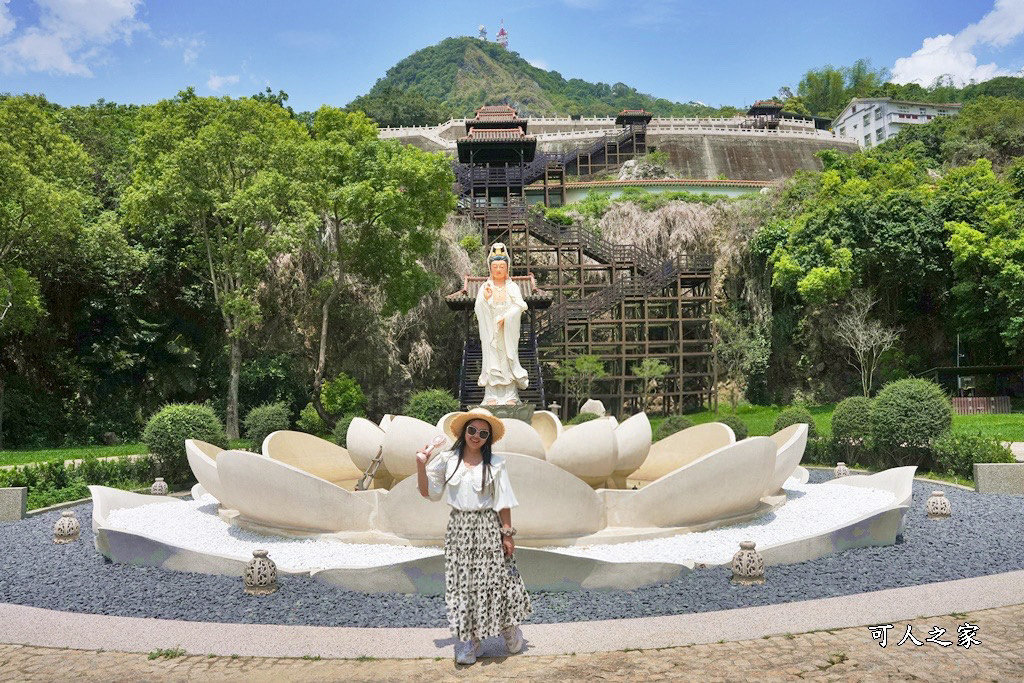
513	639
465	652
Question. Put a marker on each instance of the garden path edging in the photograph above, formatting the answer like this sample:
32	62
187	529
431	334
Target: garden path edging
49	628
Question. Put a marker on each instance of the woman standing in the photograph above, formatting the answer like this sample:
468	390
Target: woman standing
484	593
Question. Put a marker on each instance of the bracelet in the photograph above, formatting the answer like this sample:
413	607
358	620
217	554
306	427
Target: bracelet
508	531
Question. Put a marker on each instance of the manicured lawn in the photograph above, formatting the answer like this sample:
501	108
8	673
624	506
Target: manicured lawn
19	457
760	420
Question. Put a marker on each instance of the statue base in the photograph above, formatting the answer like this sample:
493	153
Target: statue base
518	411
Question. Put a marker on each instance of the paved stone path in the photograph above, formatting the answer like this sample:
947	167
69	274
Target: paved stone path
848	654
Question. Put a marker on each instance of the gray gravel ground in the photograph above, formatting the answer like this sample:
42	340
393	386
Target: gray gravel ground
985	536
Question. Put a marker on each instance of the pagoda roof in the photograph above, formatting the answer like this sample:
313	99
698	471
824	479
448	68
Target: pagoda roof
764	107
633	116
496	116
465	298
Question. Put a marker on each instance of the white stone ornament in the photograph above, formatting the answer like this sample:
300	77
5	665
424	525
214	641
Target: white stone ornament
841	470
594	406
938	506
159	487
747	565
260	574
67	528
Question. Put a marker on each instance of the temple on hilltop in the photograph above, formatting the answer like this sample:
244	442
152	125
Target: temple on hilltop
587	296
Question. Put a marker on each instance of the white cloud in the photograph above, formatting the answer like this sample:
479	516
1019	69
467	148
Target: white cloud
953	55
70	35
216	83
539	63
6	20
190	47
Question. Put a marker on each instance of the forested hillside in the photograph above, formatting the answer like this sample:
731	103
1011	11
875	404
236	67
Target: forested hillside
460	74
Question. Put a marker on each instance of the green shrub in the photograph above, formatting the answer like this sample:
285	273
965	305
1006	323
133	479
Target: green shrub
956	452
167	430
343	396
851	420
819	451
341	430
851	432
583	417
671	425
739	428
470	243
310	422
54	482
264	420
907	416
795	415
430	405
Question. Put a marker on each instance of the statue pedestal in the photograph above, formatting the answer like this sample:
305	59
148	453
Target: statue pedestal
519	411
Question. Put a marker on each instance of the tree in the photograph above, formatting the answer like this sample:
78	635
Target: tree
381	206
650	372
742	350
867	339
228	173
43	178
579	374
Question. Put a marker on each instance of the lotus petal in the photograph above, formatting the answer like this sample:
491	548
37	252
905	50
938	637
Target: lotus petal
364	440
312	454
547	424
405	436
682	448
201	458
725	483
633	440
521	438
588	451
552	504
278	495
385	422
789	444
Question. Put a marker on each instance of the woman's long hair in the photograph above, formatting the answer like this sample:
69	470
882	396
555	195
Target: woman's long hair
485	450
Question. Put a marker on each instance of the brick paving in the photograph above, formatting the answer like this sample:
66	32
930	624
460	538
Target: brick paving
848	654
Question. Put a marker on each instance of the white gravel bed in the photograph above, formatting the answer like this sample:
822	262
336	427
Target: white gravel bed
195	525
810	509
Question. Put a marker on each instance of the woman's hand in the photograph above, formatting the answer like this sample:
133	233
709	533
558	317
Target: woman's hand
423	454
508	545
487	291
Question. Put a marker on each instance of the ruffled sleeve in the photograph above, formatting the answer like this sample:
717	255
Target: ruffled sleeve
503	495
436	469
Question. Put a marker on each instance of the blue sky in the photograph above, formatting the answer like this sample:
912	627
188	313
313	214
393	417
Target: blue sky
76	51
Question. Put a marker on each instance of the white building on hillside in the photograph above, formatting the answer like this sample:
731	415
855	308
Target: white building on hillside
872	120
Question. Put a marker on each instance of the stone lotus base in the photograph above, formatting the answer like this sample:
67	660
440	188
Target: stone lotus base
999	477
542	569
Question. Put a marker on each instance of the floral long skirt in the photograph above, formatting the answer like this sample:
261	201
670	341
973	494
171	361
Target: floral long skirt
483	590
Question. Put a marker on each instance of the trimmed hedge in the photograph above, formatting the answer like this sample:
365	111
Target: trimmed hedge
739	428
795	415
671	425
264	420
50	483
956	452
583	417
851	420
341	430
430	405
167	430
907	417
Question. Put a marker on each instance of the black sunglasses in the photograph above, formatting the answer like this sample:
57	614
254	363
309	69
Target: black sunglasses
471	430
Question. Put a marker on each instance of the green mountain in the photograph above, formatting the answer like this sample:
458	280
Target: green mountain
458	75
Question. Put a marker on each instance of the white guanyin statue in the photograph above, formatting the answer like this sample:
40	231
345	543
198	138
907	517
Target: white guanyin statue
499	307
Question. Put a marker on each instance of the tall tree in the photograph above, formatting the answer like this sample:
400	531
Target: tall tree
230	174
867	339
43	195
381	206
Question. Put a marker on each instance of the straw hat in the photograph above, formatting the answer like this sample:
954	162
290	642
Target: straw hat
456	424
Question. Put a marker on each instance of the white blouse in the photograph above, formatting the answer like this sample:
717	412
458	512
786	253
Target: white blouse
465	489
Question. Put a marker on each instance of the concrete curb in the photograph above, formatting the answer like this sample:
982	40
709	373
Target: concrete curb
83	501
48	628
